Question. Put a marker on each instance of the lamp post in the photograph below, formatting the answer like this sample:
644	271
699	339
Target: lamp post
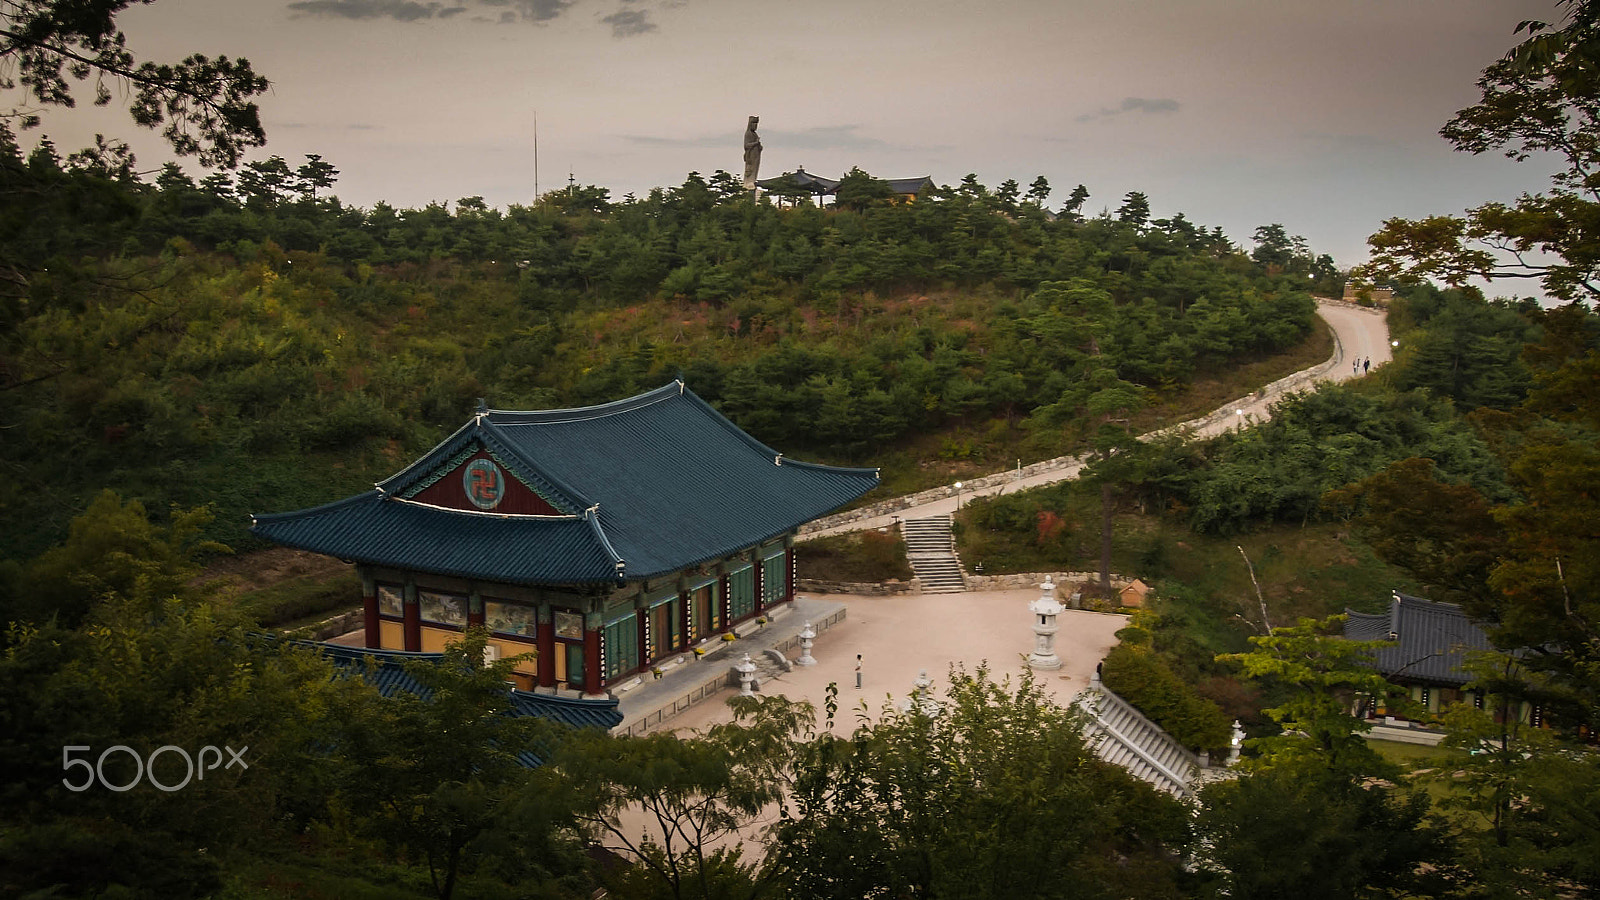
958	496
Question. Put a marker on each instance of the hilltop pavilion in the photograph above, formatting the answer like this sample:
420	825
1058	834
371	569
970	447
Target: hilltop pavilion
605	538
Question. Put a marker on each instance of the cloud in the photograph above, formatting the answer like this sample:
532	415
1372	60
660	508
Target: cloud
825	137
399	10
418	11
629	23
530	10
1145	105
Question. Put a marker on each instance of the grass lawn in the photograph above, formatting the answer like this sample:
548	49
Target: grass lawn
1315	570
860	556
1414	756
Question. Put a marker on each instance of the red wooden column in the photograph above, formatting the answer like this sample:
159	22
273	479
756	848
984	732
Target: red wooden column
369	603
544	641
412	622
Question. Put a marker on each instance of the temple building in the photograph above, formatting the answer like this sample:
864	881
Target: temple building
1428	644
604	539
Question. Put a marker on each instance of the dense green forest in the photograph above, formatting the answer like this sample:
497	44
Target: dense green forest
251	343
178	352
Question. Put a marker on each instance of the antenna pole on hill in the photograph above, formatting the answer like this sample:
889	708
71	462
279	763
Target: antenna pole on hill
536	157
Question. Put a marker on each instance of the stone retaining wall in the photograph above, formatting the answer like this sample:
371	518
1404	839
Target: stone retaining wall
860	588
330	628
1019	580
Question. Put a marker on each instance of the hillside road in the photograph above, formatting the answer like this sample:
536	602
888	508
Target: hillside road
1359	334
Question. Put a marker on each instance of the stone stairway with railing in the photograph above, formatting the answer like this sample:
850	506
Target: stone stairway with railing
931	549
1121	735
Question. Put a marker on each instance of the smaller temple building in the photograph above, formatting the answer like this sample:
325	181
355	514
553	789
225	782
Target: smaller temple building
602	539
1430	645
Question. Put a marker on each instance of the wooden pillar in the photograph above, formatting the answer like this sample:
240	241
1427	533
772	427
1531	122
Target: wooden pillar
758	566
369	603
722	600
412	623
591	660
788	566
545	642
642	622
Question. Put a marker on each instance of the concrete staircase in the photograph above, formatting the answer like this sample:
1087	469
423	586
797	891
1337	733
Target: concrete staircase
1121	735
931	548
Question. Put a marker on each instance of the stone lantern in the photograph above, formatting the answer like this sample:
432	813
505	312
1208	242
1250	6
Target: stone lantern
921	698
1045	610
807	636
747	675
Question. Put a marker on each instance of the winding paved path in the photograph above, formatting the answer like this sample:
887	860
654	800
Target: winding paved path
1359	334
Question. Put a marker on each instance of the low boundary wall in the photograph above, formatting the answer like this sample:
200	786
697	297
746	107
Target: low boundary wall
713	683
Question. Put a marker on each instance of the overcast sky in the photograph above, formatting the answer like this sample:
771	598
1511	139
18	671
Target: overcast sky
1321	115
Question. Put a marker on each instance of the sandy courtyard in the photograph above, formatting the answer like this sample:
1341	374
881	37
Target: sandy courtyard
899	635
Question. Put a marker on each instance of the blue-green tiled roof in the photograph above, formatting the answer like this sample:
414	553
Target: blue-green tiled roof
664	482
387	673
380	530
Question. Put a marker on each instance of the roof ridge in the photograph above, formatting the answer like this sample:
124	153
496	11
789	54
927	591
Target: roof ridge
317	510
593	515
424	463
597	411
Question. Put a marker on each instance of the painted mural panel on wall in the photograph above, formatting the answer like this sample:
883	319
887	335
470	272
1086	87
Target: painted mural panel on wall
511	618
391	600
443	609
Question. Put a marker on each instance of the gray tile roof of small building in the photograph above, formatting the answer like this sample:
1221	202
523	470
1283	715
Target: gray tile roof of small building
1431	639
910	185
649	485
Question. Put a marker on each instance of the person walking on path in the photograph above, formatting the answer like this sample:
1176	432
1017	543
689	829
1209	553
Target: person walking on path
858	671
1366	366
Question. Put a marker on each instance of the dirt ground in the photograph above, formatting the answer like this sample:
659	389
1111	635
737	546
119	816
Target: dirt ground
264	568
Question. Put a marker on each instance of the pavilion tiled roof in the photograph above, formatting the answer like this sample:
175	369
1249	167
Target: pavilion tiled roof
799	179
1431	640
386	672
644	487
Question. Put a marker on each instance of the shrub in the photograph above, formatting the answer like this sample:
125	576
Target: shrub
1142	679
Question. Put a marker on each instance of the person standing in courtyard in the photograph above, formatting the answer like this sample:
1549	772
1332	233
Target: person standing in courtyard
1366	366
858	671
